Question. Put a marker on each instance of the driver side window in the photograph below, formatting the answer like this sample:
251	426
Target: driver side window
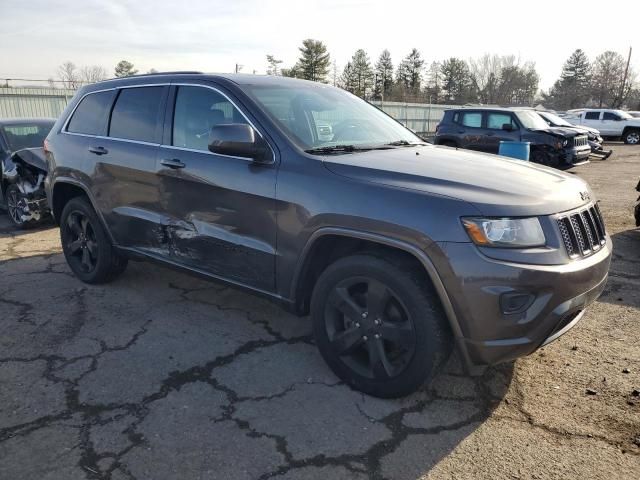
197	109
497	120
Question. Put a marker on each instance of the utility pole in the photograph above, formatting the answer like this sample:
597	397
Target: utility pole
238	67
624	79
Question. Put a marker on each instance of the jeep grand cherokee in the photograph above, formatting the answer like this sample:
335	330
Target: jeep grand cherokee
398	249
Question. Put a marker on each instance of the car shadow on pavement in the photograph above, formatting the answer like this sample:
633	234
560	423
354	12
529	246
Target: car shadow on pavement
159	368
624	278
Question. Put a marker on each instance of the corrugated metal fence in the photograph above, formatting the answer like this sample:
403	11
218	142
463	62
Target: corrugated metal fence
49	102
33	102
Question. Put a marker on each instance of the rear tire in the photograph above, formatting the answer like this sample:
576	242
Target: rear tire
632	137
379	325
86	245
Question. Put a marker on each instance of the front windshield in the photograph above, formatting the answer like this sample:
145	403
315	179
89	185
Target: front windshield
555	120
26	135
531	120
317	116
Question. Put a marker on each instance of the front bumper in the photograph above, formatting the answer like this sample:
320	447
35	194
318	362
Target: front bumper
576	155
559	295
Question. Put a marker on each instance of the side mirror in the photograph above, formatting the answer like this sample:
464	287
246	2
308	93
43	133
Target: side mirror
507	126
239	140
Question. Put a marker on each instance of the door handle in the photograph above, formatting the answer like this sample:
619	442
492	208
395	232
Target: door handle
172	163
99	150
461	131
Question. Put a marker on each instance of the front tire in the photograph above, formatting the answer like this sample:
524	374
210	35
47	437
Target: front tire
379	325
632	137
86	245
543	158
16	202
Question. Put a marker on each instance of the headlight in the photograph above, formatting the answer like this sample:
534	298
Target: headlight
565	143
505	232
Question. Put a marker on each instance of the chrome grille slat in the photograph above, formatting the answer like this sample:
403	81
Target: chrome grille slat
582	231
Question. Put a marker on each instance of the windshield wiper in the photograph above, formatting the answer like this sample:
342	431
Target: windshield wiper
347	148
333	149
404	143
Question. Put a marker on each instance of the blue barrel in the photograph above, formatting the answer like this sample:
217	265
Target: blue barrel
519	150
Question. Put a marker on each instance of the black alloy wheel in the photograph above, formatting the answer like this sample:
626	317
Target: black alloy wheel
80	242
378	323
370	328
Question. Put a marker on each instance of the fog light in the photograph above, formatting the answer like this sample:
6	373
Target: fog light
515	302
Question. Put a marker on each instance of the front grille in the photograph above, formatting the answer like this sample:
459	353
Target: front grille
580	141
583	232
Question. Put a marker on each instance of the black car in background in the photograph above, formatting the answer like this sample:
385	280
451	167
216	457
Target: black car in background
593	135
483	129
23	169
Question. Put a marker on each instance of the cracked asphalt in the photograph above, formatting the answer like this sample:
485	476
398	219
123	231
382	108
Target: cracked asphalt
163	376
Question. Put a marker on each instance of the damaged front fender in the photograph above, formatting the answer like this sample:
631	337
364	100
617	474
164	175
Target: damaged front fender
27	170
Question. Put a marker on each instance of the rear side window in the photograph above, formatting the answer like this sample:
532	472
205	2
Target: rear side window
497	120
472	119
592	116
197	110
90	117
135	114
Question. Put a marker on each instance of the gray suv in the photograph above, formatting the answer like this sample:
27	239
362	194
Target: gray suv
301	192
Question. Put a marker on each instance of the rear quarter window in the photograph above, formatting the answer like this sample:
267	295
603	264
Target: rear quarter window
90	117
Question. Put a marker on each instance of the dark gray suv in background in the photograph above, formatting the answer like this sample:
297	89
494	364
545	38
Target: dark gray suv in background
310	196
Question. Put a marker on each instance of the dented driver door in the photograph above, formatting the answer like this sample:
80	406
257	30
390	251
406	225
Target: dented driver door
219	211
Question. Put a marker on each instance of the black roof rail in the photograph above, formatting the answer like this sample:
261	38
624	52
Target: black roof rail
177	72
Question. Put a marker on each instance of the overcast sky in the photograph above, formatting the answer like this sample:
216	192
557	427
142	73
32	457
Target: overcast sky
213	35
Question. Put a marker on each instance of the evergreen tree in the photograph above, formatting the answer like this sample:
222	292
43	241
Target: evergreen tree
314	61
456	80
125	69
357	76
409	73
383	75
572	89
274	65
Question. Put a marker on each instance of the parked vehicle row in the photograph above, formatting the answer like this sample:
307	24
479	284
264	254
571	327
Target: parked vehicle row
399	249
483	129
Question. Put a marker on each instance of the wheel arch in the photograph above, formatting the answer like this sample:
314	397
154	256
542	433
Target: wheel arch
66	188
303	279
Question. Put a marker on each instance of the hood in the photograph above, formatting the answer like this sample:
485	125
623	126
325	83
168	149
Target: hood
31	156
583	130
569	132
497	186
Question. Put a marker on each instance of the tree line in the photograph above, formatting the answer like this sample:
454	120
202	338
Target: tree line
607	81
72	76
490	79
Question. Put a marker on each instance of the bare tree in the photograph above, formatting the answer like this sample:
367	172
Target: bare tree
485	74
68	75
92	74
